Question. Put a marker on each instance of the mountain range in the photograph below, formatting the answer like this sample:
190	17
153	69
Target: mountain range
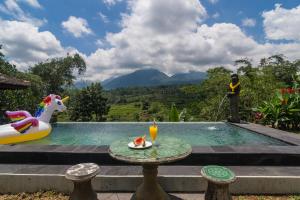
152	77
148	77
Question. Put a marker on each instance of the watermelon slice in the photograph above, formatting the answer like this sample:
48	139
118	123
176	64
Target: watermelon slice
140	141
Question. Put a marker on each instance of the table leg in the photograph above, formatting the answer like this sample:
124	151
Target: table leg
150	189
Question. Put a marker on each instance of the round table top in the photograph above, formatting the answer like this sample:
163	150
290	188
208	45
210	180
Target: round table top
218	174
82	172
169	149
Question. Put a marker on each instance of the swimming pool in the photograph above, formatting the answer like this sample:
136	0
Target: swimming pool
197	134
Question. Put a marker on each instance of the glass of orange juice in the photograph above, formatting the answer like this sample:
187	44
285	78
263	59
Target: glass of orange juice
153	132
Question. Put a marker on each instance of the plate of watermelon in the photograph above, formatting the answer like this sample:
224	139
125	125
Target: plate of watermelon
140	143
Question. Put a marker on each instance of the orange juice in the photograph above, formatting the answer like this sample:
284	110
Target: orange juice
153	132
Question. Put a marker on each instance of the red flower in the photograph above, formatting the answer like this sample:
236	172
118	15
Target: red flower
258	115
283	90
290	90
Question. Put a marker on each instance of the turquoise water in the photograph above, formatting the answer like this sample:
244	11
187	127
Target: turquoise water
197	134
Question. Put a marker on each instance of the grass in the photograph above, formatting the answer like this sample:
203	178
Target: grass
49	195
134	112
126	112
253	197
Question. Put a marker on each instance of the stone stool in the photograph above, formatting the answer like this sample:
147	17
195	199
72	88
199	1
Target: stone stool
218	178
81	175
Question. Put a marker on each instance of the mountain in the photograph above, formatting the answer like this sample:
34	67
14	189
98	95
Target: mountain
152	77
190	77
81	84
147	77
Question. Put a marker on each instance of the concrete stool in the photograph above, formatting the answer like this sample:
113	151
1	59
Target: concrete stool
218	178
81	175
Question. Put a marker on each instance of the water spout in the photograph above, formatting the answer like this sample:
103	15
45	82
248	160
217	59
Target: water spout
221	103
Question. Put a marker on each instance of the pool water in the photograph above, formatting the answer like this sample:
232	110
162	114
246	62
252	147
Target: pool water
197	134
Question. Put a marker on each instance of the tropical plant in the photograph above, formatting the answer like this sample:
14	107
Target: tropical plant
283	110
174	115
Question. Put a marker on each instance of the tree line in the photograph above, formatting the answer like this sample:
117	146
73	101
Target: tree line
54	76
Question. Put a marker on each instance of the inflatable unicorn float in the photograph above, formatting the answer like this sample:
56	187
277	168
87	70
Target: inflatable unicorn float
25	127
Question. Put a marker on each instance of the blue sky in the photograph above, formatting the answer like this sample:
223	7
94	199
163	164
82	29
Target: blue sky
120	36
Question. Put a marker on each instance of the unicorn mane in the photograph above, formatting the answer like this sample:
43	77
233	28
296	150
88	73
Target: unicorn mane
42	106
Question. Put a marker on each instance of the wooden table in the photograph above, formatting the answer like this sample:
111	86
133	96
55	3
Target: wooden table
168	150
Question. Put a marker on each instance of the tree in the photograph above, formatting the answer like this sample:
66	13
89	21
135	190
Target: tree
89	104
283	70
173	116
58	73
25	99
245	67
6	67
213	90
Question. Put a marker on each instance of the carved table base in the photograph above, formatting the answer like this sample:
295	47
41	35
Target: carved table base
150	189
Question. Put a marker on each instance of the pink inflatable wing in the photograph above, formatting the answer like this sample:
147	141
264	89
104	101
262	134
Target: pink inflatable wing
24	125
17	115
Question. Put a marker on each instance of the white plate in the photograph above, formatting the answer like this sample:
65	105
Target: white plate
147	145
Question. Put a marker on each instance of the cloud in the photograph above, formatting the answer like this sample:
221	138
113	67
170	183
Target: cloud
32	3
12	8
216	15
173	38
162	17
154	34
103	17
25	48
111	2
77	26
213	1
248	22
281	23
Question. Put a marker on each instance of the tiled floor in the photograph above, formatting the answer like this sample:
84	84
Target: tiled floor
127	196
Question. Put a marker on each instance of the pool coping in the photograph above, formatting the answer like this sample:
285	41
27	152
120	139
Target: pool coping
201	155
287	137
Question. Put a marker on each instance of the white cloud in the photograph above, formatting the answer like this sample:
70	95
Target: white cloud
164	16
248	22
111	2
172	38
77	26
100	43
216	15
213	1
32	3
25	48
12	8
157	34
281	23
103	17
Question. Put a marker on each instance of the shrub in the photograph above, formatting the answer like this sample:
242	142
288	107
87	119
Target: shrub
283	110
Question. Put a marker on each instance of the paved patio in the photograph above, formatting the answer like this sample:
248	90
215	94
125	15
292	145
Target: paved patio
127	196
16	178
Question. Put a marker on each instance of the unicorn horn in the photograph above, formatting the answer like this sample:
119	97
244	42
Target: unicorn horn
65	99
